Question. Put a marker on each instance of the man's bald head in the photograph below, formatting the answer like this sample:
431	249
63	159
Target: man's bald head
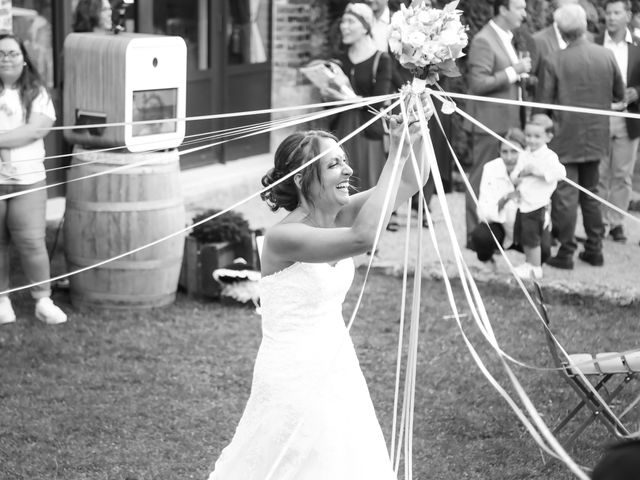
571	21
562	3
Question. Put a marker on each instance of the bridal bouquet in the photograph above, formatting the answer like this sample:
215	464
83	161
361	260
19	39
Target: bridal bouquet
427	41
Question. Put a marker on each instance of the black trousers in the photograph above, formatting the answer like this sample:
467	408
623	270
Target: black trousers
564	209
485	246
483	149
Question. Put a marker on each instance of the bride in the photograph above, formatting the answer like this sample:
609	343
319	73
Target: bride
309	415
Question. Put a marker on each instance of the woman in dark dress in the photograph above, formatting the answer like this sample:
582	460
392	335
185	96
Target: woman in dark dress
369	72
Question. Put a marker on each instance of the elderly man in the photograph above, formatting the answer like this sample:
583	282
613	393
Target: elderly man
616	171
581	75
494	70
549	40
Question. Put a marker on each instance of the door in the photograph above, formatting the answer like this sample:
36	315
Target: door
228	67
198	23
247	71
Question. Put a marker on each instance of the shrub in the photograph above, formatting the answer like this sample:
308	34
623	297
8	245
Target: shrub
231	227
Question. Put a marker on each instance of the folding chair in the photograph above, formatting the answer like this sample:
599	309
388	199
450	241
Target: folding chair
597	371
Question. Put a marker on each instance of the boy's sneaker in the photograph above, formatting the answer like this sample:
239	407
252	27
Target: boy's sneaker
49	313
526	271
7	315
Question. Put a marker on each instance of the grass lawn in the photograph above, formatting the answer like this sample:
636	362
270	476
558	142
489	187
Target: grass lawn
156	394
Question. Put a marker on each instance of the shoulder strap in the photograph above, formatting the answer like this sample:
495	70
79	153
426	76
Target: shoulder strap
376	60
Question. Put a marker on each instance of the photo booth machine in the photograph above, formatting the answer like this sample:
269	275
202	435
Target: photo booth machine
128	77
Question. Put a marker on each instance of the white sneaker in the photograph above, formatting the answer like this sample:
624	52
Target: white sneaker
7	315
537	272
49	313
526	271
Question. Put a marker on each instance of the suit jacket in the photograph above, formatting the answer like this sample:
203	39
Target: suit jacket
486	64
582	75
546	42
632	75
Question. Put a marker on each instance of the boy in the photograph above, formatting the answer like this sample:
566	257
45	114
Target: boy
535	179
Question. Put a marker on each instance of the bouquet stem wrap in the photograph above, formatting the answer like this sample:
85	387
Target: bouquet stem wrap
418	85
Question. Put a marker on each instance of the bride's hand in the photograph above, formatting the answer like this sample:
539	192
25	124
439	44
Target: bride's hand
415	137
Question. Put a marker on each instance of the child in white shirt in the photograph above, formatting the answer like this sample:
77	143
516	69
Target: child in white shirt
535	178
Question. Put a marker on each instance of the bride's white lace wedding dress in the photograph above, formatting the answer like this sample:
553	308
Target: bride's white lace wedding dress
309	415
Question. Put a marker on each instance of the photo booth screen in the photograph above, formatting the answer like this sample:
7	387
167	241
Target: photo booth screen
156	104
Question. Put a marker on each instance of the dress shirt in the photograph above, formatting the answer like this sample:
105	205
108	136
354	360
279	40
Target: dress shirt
561	43
494	185
380	30
535	190
506	37
620	51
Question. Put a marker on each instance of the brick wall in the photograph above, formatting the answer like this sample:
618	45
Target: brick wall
300	33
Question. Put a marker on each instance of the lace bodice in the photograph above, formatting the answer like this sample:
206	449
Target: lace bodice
304	295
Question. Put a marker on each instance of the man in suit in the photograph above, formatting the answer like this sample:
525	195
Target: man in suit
616	171
549	40
582	75
493	70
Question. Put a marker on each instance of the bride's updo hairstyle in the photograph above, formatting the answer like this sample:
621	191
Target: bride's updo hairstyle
295	150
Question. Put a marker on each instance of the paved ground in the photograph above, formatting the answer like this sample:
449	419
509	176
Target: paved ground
616	281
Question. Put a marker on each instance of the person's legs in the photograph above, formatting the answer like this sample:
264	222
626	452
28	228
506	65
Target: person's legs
545	245
26	221
484	149
606	167
7	315
527	234
4	247
623	159
565	207
482	241
533	255
591	212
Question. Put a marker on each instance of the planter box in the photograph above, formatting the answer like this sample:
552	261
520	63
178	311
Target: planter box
201	259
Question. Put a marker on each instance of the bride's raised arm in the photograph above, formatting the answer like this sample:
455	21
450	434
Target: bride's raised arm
319	229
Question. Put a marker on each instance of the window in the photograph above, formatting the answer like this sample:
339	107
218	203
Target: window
188	19
248	31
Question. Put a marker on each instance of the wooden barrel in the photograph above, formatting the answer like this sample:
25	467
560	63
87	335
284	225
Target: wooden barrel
113	213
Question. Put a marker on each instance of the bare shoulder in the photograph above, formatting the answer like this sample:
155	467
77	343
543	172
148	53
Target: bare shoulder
279	239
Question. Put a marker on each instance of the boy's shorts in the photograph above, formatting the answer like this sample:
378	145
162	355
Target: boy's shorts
528	228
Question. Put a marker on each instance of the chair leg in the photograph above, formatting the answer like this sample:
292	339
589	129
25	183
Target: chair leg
582	393
611	422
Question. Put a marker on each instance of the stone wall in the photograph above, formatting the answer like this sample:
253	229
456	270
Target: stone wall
300	33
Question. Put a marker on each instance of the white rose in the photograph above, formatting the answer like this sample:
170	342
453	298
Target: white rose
442	53
429	16
449	37
397	20
417	39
